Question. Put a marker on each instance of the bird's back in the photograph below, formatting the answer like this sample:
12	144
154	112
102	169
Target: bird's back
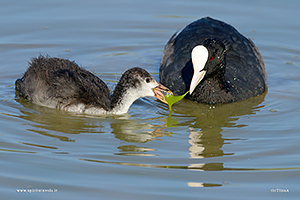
58	83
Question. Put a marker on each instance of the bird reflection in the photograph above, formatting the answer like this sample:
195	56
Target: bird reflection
51	122
204	125
206	138
197	148
136	131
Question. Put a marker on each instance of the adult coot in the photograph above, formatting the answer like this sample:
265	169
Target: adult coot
214	62
60	83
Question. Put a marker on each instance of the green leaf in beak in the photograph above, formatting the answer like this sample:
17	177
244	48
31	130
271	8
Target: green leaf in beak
171	99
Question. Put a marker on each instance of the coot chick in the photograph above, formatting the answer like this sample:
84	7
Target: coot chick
60	83
214	62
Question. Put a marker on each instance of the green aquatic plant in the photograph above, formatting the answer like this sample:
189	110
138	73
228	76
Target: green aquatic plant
171	99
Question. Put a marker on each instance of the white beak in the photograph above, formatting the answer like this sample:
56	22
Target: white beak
197	77
199	58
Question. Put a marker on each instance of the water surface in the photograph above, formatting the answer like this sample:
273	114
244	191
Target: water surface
243	150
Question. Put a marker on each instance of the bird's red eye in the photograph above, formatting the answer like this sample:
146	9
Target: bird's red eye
211	58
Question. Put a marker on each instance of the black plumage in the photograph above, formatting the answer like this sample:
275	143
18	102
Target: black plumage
235	72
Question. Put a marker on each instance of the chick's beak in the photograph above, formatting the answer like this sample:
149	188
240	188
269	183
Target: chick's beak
161	91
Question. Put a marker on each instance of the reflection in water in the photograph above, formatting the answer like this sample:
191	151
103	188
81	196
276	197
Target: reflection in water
194	167
208	142
210	121
38	145
133	131
204	124
128	149
136	131
54	123
197	148
202	147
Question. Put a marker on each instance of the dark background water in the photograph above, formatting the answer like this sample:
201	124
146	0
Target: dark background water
243	150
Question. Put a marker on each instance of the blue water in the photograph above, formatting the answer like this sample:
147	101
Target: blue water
243	150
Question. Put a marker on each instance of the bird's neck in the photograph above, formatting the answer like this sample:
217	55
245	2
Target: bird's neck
122	99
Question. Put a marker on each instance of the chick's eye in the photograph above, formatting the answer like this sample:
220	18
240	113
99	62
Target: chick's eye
148	80
211	58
